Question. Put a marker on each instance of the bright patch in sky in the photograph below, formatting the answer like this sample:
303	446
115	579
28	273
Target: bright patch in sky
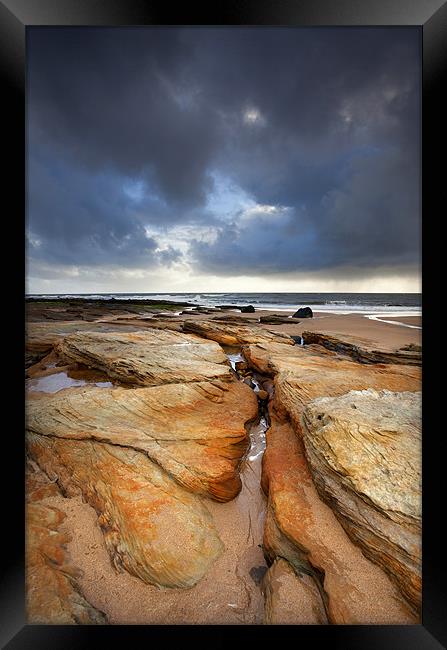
253	116
135	190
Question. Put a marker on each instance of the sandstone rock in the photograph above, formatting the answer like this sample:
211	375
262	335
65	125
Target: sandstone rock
37	484
234	319
194	431
153	528
303	312
291	598
234	334
299	527
411	347
52	594
409	355
364	450
147	358
303	530
262	394
141	323
302	374
41	337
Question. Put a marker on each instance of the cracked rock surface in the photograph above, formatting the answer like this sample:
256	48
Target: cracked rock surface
364	451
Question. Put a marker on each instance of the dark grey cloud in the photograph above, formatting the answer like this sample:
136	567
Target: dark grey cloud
321	123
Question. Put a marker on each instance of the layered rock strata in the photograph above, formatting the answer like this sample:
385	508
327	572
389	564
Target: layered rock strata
52	595
153	528
299	526
229	334
364	450
302	529
195	431
303	374
41	337
347	345
147	358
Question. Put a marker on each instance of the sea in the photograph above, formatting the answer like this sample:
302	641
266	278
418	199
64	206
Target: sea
398	304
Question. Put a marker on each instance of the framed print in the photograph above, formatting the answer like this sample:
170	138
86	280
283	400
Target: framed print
228	430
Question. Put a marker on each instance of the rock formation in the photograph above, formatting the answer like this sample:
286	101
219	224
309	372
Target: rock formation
275	319
194	431
302	374
52	595
364	450
41	337
303	530
412	355
303	312
235	334
291	598
147	358
314	537
153	528
341	469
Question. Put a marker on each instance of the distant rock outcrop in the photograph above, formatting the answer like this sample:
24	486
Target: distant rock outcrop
249	309
409	355
274	319
303	312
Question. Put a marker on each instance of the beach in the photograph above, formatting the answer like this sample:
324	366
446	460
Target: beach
244	390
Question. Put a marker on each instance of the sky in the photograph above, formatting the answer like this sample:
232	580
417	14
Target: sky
223	159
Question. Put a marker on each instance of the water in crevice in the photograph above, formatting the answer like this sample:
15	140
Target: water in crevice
60	380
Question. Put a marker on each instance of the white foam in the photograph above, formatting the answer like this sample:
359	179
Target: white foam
379	317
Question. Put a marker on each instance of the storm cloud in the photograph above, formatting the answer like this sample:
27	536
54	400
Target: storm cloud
223	151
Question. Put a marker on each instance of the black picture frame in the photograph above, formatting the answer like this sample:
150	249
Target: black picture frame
431	17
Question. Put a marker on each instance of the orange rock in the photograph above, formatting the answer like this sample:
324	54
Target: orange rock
364	450
291	598
52	593
153	528
299	526
361	351
303	374
235	334
147	358
302	529
41	337
194	431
